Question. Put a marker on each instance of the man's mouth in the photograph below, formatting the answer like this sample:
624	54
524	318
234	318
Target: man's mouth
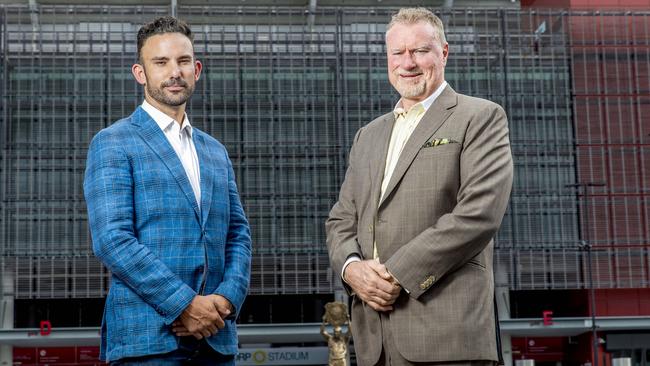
410	76
175	88
174	85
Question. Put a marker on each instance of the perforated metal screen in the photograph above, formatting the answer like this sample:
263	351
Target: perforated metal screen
286	98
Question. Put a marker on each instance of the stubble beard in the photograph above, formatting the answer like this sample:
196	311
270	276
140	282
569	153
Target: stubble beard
173	100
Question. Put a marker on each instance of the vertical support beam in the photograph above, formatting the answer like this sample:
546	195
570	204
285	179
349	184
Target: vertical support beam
6	355
33	15
4	127
174	8
6	311
339	294
311	17
445	15
502	293
506	348
341	101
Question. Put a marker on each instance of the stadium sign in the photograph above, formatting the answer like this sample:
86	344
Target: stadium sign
282	356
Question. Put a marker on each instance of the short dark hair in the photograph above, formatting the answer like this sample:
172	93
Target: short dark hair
166	24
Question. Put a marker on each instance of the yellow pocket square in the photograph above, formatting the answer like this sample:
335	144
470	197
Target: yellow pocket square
438	142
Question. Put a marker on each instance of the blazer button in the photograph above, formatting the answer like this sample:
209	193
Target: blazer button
370	228
427	282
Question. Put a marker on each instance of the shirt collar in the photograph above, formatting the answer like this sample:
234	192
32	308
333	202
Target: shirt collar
164	121
426	104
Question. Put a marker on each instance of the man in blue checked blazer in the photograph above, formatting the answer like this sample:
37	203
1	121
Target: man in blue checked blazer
166	219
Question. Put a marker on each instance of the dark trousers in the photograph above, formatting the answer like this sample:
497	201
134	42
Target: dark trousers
190	352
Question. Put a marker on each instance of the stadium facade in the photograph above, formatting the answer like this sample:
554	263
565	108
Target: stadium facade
285	88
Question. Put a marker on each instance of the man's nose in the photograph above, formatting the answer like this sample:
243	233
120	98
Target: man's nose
176	71
407	61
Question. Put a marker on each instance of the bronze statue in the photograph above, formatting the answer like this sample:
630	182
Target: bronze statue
336	314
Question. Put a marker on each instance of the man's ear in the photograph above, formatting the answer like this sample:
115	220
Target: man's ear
198	66
138	73
445	52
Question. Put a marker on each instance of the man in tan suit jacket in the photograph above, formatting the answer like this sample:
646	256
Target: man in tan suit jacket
424	194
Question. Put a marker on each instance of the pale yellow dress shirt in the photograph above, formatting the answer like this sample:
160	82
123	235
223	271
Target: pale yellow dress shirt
405	124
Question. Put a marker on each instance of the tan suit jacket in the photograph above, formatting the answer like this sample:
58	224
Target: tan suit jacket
433	228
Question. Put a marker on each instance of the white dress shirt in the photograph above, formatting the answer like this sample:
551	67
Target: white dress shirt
180	137
405	124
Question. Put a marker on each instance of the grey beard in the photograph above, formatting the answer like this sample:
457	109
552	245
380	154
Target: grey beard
411	91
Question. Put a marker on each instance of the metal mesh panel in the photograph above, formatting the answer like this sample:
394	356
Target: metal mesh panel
610	56
286	99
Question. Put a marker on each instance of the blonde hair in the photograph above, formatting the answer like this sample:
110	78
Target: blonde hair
416	15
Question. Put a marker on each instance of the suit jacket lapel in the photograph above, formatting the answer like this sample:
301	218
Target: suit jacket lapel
155	138
378	163
205	166
437	114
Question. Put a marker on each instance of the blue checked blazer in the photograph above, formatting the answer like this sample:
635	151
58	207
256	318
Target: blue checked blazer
149	231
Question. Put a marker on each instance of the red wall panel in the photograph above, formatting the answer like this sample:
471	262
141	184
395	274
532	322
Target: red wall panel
623	302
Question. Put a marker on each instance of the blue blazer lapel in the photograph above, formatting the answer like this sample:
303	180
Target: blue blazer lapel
155	138
207	179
